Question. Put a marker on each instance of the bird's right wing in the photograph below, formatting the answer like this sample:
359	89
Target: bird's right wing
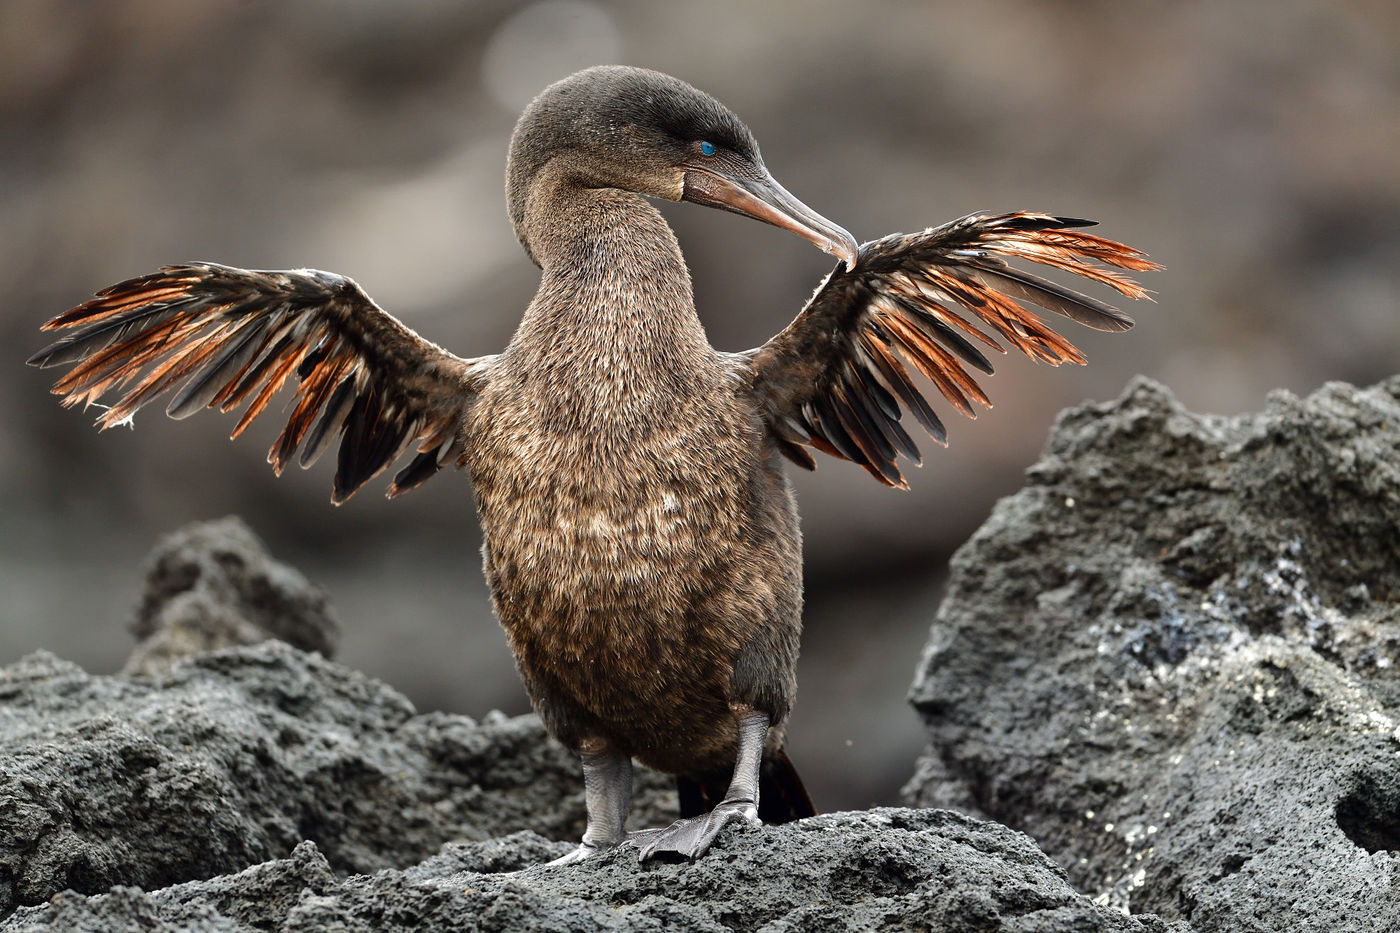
835	380
232	335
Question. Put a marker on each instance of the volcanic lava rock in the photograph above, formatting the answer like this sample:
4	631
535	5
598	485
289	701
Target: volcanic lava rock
236	756
213	585
1174	660
881	869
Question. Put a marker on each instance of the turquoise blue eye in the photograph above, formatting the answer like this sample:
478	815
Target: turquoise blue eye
707	148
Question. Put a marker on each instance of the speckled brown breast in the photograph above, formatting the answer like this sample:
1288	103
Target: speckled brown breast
625	547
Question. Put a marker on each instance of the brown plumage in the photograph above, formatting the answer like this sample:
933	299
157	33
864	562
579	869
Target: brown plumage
642	543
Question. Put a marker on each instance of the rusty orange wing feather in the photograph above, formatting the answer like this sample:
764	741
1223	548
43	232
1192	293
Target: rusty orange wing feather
837	378
229	336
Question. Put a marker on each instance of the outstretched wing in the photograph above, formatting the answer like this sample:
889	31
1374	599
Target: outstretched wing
236	335
835	378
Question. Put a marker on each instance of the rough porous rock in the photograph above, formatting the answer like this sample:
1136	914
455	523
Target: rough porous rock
882	869
213	585
236	756
1174	660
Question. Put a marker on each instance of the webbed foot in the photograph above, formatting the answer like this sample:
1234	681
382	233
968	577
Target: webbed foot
691	837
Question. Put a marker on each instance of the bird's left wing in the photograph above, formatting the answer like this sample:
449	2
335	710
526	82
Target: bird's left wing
236	335
835	378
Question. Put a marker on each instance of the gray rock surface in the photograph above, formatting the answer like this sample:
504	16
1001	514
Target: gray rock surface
1174	660
238	755
880	869
213	585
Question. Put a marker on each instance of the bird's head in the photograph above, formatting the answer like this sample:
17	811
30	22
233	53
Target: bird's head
637	130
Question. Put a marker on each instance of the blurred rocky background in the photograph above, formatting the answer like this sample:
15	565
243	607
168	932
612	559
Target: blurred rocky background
1250	147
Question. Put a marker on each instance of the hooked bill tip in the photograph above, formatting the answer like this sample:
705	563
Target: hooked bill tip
845	249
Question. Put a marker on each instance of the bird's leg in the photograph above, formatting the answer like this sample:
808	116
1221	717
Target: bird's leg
691	837
607	792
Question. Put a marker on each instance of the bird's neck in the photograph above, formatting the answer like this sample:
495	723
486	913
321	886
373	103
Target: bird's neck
615	292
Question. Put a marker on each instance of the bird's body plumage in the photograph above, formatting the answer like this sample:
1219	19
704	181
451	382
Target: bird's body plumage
640	511
642	544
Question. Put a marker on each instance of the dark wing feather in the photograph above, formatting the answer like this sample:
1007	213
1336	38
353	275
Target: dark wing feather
836	377
230	335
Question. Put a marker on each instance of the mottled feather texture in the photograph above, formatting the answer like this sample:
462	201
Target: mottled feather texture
835	378
231	335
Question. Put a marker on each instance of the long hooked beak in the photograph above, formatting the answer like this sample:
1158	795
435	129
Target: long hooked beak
762	198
